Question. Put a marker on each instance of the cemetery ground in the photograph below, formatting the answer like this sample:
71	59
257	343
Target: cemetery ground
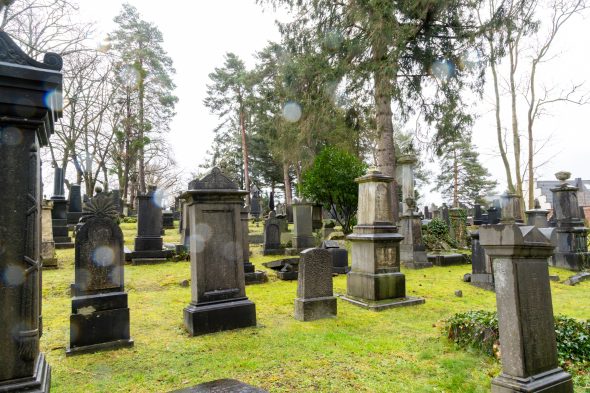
397	350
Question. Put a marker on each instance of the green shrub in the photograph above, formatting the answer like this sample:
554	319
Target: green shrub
438	229
479	329
130	220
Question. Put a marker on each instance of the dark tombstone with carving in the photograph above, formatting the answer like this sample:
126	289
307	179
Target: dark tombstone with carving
100	315
315	295
30	103
74	204
272	236
218	293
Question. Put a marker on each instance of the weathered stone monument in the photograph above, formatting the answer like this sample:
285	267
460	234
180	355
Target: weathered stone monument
218	293
571	242
317	219
48	256
525	312
149	242
255	210
74	204
457	229
30	103
482	275
100	314
272	236
375	281
302	225
537	216
412	248
315	295
477	214
184	227
444	212
167	219
221	386
339	256
59	213
252	276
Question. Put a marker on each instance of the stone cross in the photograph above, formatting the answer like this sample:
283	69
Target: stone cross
315	295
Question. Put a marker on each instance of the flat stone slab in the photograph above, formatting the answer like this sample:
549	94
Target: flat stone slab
280	263
447	259
111	345
222	386
147	261
383	304
257	277
578	278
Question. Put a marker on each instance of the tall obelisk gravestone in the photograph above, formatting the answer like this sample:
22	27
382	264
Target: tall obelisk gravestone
218	292
30	103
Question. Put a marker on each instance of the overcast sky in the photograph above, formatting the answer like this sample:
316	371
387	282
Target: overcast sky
198	33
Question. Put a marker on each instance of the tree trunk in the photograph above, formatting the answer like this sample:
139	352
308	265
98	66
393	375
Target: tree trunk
245	157
127	152
531	119
287	182
141	94
456	180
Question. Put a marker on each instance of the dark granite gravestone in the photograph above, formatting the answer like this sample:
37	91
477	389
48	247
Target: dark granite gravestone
218	293
116	194
48	256
149	243
30	103
272	236
481	267
445	215
571	241
59	213
525	312
252	276
74	204
302	226
168	220
484	218
100	315
477	215
339	256
271	201
222	386
315	294
184	227
375	281
494	215
316	216
255	210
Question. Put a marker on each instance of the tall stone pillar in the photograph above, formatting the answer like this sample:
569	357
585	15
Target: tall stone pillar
302	227
59	213
412	248
457	229
47	243
375	281
218	292
525	312
75	204
30	103
571	244
252	276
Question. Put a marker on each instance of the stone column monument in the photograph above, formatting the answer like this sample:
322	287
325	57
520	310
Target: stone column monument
302	225
30	103
59	213
252	276
412	248
571	244
219	299
537	216
525	313
75	204
375	281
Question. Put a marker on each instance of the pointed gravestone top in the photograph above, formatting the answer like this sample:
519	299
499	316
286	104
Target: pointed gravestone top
214	180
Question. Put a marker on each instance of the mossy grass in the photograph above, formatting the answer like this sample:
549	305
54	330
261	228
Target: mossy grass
397	350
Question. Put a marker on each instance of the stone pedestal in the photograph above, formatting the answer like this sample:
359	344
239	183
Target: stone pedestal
218	293
74	205
412	248
302	226
251	275
375	281
571	243
30	99
537	216
149	242
525	313
47	243
315	296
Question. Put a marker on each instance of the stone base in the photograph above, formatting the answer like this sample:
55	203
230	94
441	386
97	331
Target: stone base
64	245
147	261
273	251
39	382
222	386
303	242
575	261
74	217
447	259
417	265
340	269
553	381
287	276
381	305
216	317
99	322
256	277
148	243
315	308
249	267
375	287
146	256
483	280
49	264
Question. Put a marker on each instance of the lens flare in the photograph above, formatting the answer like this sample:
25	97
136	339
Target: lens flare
14	275
292	112
129	76
158	198
54	100
103	256
11	136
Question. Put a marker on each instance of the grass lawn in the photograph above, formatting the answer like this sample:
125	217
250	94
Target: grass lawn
399	350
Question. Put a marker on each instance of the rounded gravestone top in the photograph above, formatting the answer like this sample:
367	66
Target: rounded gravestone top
563	176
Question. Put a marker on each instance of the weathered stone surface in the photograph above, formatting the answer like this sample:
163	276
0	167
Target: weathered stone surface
218	293
482	275
250	274
272	236
29	106
222	386
59	213
74	204
48	256
315	295
168	220
316	216
576	279
525	312
338	255
302	225
477	215
149	242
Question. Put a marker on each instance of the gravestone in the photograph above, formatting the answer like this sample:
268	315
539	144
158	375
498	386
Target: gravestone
445	215
494	215
302	225
30	104
149	242
481	266
167	220
272	236
184	228
339	256
116	194
427	213
315	295
218	293
222	386
271	201
572	236
252	276
412	248
317	217
59	213
477	215
457	230
48	256
74	204
255	209
537	216
100	314
525	312
375	281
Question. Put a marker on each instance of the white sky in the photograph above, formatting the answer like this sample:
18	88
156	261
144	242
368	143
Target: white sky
198	33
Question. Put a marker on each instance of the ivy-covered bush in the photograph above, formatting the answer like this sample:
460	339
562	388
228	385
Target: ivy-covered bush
436	233
479	329
130	220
